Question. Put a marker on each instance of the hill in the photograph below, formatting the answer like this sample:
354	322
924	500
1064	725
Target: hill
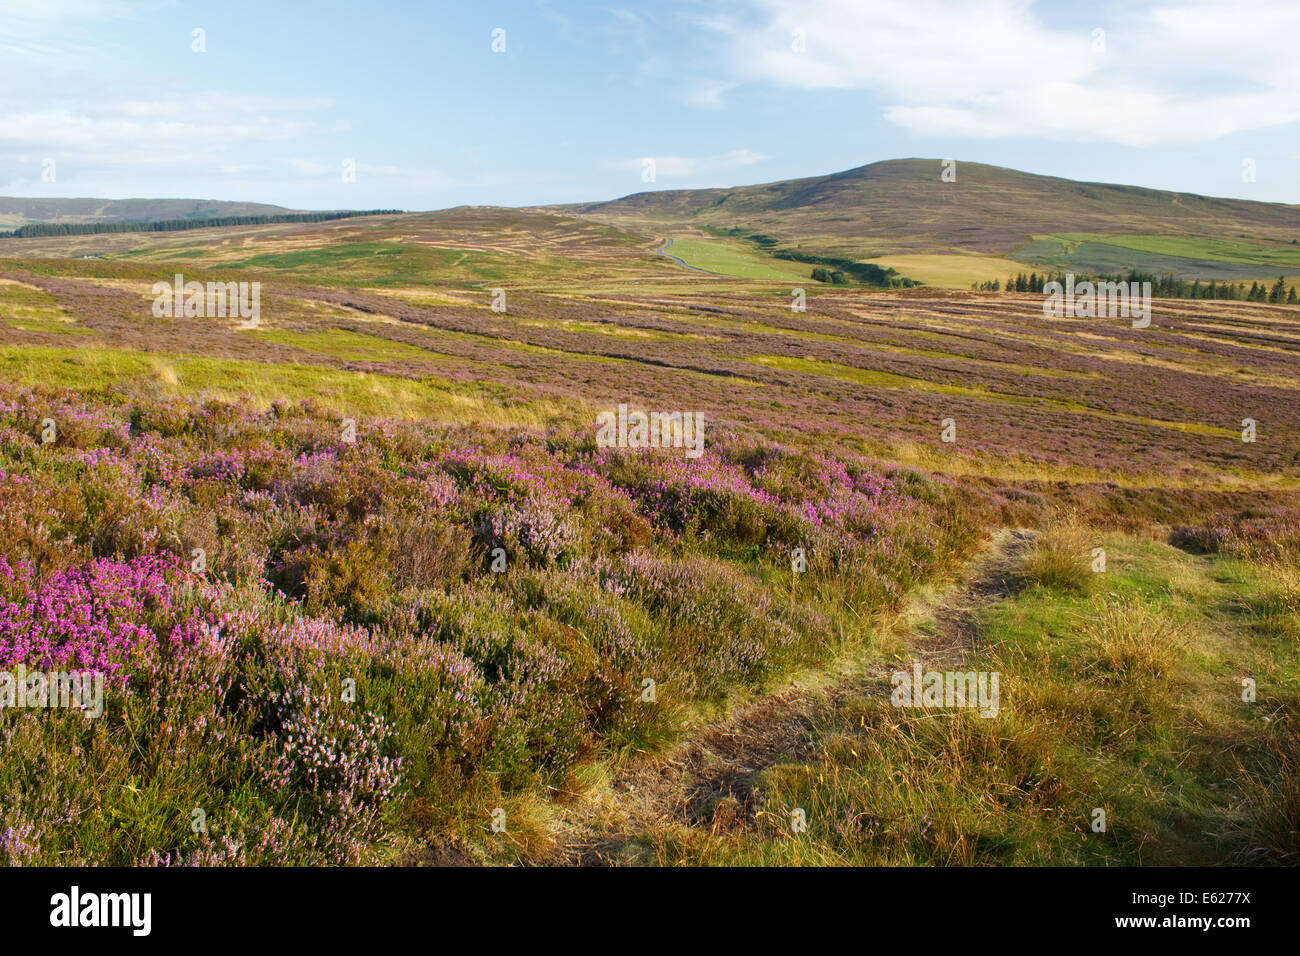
903	207
887	223
20	211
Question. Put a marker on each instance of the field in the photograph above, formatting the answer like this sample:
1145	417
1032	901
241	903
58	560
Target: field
1185	257
951	270
724	258
1272	255
367	588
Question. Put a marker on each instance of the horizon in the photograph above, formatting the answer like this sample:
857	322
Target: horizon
534	106
594	201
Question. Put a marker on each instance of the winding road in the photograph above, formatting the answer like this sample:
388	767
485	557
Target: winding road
663	251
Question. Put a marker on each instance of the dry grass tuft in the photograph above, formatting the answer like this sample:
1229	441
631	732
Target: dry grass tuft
1271	809
1061	558
1135	641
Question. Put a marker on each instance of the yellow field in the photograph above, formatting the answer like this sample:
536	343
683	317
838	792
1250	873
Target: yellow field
952	270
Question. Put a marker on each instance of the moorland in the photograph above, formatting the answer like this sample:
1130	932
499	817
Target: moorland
282	543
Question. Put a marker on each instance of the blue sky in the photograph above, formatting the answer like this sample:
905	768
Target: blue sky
1175	95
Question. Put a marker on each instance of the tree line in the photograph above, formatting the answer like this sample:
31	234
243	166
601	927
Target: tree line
39	229
836	270
1162	286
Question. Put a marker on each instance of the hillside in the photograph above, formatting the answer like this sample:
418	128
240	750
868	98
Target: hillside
990	224
20	211
903	207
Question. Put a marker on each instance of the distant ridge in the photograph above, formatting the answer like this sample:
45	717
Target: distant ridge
35	230
903	205
16	212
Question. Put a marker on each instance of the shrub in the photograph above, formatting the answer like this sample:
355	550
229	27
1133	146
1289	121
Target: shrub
351	579
423	548
529	530
330	563
331	758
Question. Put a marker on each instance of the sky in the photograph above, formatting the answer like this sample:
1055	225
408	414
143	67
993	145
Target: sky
437	104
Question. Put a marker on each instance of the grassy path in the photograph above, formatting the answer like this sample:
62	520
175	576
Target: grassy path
713	777
1123	737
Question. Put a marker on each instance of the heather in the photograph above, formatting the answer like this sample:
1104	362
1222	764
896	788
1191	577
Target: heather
311	657
1085	399
361	577
1258	533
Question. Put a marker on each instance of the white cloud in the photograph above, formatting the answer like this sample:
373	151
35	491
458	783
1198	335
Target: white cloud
407	178
404	177
56	30
708	94
1170	73
174	130
677	166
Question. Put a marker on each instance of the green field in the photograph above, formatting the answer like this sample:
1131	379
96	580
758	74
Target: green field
1270	254
262	383
723	258
1184	256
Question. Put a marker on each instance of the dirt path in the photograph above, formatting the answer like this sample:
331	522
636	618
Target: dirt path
722	759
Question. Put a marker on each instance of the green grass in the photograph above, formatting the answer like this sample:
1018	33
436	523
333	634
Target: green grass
26	321
34	310
379	263
1202	247
344	344
951	270
1060	558
1203	258
717	255
427	398
1127	700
